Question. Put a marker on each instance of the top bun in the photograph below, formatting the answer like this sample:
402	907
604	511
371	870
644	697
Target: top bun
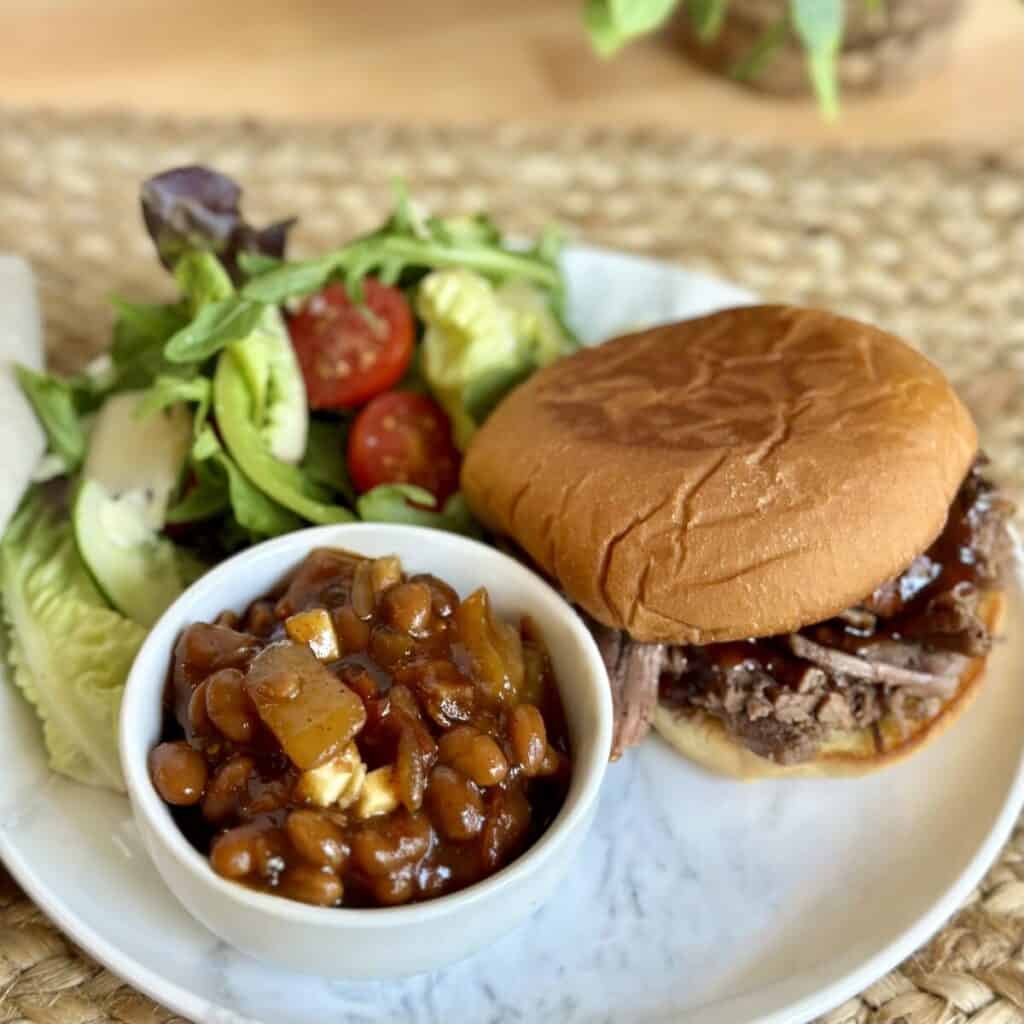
742	474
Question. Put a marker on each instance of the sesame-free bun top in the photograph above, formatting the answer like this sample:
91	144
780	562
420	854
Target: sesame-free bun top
742	474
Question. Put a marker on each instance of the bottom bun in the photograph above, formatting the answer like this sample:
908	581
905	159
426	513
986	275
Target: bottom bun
703	738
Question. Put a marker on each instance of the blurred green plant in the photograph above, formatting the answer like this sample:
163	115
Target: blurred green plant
817	24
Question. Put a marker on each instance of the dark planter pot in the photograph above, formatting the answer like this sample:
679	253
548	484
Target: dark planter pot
902	41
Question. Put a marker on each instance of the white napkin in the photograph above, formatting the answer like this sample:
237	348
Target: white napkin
21	340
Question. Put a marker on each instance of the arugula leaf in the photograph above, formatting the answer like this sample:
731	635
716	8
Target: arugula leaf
470	229
254	263
53	401
324	462
196	207
257	513
167	391
216	325
406	503
819	24
206	444
219	484
289	280
202	279
206	497
140	333
406	247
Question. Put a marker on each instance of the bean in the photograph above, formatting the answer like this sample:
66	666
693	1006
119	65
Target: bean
395	888
260	619
410	770
443	598
508	820
229	785
272	796
473	754
399	840
353	632
198	718
228	705
178	772
231	853
309	884
388	646
357	678
529	738
204	648
317	839
279	687
402	699
554	763
455	804
253	849
444	692
227	618
406	607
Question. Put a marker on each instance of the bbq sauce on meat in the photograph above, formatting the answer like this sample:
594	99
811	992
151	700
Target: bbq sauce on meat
895	654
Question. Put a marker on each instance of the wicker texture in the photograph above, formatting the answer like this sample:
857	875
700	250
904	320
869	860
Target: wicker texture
929	244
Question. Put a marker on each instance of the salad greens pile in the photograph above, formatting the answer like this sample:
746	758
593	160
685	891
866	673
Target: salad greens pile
195	435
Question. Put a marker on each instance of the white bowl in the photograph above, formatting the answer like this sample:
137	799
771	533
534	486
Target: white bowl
397	941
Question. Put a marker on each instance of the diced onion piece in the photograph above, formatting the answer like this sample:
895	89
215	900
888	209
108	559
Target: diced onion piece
338	783
315	629
379	795
320	720
385	572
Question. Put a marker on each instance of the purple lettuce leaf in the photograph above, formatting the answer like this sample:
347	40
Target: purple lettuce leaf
196	207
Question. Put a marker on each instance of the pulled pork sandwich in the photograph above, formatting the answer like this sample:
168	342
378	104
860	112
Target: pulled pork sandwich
777	523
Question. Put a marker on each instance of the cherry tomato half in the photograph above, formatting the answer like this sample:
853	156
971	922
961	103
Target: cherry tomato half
403	437
350	353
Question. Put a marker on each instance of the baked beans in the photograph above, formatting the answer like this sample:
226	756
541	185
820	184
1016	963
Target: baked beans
362	738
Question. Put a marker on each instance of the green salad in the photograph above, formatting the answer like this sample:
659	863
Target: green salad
271	394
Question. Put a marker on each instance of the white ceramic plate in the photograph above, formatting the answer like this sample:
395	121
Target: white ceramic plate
694	898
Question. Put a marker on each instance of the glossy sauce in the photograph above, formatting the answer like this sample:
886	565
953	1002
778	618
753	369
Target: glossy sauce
422	750
961	555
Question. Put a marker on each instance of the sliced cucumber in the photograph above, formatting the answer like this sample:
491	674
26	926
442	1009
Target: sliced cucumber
142	456
136	569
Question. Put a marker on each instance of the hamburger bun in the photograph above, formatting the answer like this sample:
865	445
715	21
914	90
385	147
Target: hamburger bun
739	475
702	737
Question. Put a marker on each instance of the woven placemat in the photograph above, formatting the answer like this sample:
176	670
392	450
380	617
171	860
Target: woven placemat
927	243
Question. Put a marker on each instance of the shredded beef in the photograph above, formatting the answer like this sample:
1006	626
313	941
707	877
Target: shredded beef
897	655
839	663
634	671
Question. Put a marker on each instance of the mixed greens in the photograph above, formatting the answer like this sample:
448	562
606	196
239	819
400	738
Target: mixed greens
269	395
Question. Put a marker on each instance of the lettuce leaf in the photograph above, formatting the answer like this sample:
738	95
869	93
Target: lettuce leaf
481	340
53	401
141	331
414	506
69	653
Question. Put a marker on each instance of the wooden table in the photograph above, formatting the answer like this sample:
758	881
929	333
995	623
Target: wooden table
461	60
